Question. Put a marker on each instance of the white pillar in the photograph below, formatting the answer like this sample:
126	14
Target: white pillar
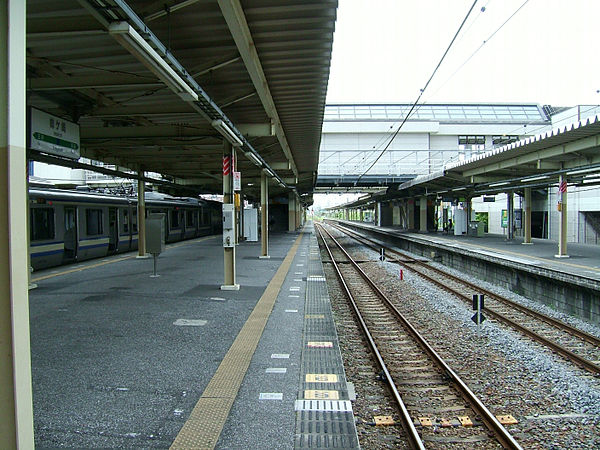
141	221
527	216
562	222
16	412
291	211
264	216
510	212
423	215
229	252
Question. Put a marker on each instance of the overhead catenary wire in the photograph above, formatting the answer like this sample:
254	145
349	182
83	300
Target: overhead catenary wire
485	41
422	91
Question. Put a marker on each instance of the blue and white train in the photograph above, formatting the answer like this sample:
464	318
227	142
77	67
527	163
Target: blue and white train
69	226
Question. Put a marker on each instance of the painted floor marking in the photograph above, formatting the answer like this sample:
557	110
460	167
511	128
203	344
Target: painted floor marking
319	344
295	288
270	396
190	322
317	394
321	378
323	405
298	273
291	310
280	356
294	296
276	370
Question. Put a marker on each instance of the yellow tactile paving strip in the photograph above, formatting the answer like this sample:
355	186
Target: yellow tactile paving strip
203	427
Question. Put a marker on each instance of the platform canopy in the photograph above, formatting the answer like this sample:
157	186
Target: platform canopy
158	85
537	161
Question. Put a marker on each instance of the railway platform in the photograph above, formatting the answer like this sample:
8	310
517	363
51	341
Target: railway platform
571	285
123	359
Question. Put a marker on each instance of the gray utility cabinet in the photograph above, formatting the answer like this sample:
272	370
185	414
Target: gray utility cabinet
155	233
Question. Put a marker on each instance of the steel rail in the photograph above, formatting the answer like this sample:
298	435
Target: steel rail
413	435
576	359
492	423
541	316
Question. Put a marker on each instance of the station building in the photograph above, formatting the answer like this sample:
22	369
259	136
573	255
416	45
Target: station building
438	136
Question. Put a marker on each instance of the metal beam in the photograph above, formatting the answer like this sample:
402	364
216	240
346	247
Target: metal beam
236	21
92	82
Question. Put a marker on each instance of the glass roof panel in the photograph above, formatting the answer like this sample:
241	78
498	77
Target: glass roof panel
468	112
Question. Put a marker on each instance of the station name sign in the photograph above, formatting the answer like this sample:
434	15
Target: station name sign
53	135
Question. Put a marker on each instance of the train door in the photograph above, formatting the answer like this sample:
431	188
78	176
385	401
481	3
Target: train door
71	233
113	230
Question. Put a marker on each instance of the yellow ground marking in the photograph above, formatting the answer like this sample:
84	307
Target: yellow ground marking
315	316
103	263
319	344
317	394
523	255
206	421
321	378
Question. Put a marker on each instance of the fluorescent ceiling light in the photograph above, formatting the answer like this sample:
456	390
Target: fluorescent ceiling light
459	189
269	172
502	183
126	35
226	132
577	172
541	177
252	157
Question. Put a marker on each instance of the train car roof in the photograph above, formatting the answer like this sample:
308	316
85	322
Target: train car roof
152	198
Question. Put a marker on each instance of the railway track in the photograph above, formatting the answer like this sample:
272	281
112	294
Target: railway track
581	348
425	388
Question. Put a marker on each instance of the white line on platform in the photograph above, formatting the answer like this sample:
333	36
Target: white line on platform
276	370
270	396
280	356
291	310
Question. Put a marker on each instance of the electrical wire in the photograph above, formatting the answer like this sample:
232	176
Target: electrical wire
479	48
422	91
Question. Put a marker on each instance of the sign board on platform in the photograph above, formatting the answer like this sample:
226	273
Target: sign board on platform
54	135
237	181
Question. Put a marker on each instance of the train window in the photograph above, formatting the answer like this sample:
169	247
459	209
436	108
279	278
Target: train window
93	221
174	218
189	218
134	221
42	224
125	221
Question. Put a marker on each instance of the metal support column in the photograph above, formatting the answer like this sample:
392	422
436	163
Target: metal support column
141	214
229	252
410	214
423	215
562	221
527	216
292	211
16	414
510	212
264	216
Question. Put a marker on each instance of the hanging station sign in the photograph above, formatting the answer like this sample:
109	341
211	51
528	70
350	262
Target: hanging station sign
53	135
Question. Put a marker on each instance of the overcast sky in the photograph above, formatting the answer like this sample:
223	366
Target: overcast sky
385	50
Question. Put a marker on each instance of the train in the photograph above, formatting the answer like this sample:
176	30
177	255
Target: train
69	226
